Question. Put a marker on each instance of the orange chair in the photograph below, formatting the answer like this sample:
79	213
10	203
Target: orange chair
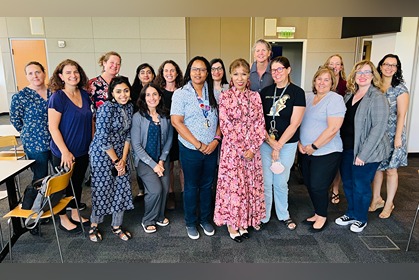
54	185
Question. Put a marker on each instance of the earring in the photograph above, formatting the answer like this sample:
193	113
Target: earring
231	83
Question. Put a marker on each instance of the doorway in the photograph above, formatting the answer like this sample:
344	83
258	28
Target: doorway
295	51
24	51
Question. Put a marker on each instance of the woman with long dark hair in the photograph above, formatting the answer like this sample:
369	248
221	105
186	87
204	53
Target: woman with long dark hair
390	70
151	138
170	78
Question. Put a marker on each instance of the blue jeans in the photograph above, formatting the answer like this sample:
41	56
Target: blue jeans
278	181
40	167
199	172
357	185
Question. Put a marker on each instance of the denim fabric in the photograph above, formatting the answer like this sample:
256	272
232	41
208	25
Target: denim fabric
40	167
199	174
278	181
357	185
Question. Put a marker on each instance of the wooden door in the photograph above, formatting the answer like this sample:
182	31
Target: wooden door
24	51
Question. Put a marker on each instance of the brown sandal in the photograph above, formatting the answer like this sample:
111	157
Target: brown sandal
122	234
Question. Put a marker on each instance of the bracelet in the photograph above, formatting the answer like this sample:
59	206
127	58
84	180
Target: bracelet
314	146
199	146
217	139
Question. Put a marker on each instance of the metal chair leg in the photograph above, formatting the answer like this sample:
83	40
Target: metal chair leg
413	227
56	232
1	234
9	223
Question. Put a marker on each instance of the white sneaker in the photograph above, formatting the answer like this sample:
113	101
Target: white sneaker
358	226
344	220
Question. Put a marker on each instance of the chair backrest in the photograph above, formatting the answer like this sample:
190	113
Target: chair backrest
59	183
8	141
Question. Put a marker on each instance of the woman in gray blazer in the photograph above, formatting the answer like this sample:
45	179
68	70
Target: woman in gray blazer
151	140
365	143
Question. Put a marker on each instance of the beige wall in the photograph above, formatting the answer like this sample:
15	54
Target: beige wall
323	39
155	39
136	39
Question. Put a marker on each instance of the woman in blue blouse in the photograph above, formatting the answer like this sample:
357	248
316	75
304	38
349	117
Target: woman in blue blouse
111	193
70	120
194	114
152	136
29	115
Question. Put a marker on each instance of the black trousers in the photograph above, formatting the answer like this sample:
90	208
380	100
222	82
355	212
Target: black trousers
318	174
77	178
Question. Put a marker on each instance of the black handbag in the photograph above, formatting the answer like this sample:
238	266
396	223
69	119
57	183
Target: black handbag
30	194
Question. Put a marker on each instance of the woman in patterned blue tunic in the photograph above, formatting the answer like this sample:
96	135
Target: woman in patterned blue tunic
390	69
111	195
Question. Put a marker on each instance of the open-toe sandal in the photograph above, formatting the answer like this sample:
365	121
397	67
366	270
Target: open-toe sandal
164	223
94	234
289	223
335	198
122	234
149	228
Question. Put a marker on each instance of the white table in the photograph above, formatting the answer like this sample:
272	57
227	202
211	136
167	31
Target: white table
8	129
8	170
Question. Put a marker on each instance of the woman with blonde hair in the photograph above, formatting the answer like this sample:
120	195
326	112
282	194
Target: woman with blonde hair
320	144
365	142
335	63
260	73
98	86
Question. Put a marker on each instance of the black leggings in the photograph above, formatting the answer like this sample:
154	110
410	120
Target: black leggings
77	178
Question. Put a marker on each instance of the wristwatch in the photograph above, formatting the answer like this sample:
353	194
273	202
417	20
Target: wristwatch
314	146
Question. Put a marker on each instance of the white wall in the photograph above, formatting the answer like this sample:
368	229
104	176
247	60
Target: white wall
136	39
404	44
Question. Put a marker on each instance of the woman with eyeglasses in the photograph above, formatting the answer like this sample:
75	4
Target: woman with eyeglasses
335	62
365	142
109	150
283	107
219	76
320	145
390	69
194	115
260	73
170	78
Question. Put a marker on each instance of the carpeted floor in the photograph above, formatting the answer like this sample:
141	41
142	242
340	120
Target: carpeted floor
382	241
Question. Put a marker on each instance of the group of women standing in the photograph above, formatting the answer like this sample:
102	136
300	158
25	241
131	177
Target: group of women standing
250	127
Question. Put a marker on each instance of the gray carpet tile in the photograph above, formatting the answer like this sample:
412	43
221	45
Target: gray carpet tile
273	244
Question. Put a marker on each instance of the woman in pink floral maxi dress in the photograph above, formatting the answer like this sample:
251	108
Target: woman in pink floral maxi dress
239	199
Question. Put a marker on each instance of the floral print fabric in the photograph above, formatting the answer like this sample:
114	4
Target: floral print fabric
239	196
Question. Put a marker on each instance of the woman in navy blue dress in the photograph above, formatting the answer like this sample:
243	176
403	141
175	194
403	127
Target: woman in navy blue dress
111	192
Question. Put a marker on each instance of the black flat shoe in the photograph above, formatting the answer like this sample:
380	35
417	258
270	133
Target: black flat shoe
77	223
236	237
72	231
244	233
312	229
308	223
